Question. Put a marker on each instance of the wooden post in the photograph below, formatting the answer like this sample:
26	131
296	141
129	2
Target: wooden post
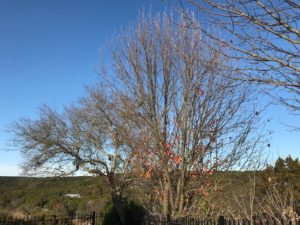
93	218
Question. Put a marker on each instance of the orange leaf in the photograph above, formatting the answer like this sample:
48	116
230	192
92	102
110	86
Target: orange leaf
177	159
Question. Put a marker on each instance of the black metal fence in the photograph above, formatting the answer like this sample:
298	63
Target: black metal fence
97	219
78	219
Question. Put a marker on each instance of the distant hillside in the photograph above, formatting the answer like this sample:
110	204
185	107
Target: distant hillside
40	195
35	196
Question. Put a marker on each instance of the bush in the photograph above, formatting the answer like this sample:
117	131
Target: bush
134	214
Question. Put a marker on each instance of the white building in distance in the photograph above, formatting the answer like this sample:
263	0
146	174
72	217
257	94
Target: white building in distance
73	195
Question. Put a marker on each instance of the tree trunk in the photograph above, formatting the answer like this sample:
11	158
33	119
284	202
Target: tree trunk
117	199
118	204
166	198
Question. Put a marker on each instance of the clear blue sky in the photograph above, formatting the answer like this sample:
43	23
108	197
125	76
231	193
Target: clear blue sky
49	50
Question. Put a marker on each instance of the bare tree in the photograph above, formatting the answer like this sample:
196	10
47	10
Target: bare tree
171	82
164	114
279	204
263	38
81	138
265	202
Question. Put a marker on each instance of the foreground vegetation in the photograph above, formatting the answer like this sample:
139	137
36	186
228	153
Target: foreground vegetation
23	196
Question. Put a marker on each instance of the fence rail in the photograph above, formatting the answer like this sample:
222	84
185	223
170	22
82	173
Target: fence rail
96	219
78	219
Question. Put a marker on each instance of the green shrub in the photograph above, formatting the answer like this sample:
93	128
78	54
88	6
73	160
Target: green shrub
134	214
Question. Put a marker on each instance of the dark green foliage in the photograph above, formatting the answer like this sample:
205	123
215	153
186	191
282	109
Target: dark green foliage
134	214
110	216
285	170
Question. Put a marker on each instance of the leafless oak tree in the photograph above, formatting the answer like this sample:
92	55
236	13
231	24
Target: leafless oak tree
263	37
82	137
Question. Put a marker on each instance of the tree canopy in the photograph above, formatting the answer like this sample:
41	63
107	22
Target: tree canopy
263	40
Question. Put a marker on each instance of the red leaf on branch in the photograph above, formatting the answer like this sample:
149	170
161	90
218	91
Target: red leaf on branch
177	159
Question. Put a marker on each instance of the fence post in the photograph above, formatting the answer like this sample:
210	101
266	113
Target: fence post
221	220
93	218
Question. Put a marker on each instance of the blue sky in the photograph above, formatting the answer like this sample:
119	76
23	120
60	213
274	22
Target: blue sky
49	51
